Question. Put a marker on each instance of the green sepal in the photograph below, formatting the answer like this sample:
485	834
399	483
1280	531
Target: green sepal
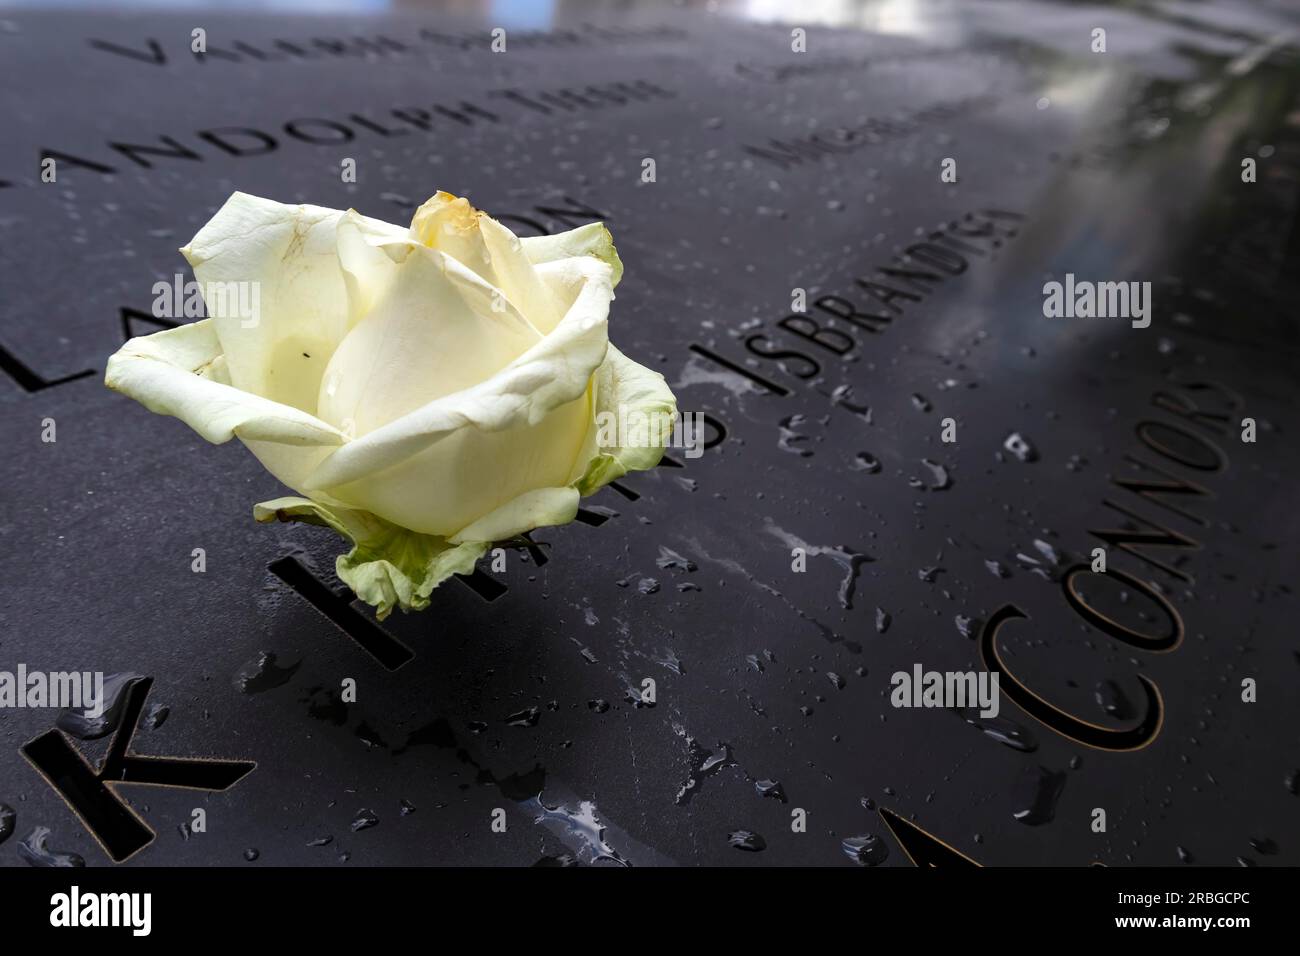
388	566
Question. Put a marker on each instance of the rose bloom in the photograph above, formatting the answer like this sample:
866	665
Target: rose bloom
426	390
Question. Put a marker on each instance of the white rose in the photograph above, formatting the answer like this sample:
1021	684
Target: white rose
427	390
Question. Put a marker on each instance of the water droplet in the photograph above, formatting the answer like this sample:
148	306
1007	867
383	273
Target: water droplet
843	397
1021	447
865	461
670	559
770	788
527	717
1112	699
7	820
939	479
868	850
634	697
35	850
77	722
1038	790
704	763
1004	731
1264	845
263	674
156	715
1047	551
747	840
364	820
997	568
850	561
251	854
883	620
668	658
789	436
581	823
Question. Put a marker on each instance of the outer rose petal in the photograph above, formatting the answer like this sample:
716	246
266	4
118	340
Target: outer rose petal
388	566
178	371
592	239
470	473
542	508
644	400
619	385
291	255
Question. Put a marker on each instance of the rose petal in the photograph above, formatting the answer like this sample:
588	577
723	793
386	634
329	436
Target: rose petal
453	226
431	332
554	372
646	404
592	239
470	472
169	373
540	508
284	260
